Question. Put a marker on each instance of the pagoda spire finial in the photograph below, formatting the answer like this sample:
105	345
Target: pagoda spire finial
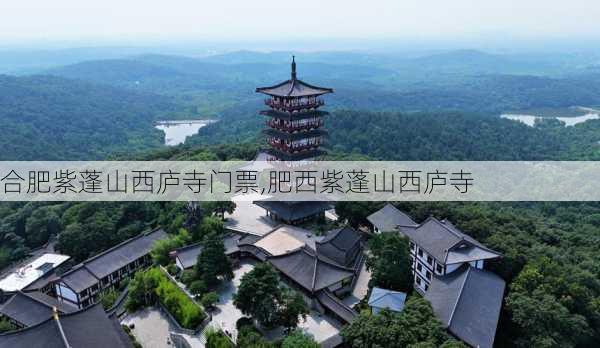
293	67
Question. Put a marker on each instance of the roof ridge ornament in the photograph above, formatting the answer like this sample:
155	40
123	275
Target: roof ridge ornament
293	68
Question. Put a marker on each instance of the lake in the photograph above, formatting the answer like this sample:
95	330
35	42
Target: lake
569	121
177	130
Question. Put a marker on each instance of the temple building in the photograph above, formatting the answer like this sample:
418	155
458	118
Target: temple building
448	268
439	248
389	218
89	328
324	269
294	133
24	309
81	286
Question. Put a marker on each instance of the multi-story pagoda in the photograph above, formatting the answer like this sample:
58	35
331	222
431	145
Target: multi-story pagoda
295	122
295	132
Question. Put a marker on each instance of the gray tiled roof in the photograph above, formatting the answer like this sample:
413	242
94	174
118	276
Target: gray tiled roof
292	211
79	278
388	218
89	328
332	303
294	88
468	302
341	245
119	256
309	271
32	308
188	255
90	271
439	238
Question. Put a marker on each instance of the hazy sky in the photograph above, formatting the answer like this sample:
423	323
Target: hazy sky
277	19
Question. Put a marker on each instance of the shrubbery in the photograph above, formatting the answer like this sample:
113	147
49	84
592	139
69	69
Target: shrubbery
153	285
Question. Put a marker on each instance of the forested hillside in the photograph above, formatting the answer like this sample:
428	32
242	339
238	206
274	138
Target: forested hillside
45	117
386	84
550	262
86	228
426	135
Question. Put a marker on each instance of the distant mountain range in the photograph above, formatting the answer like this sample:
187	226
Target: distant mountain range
459	80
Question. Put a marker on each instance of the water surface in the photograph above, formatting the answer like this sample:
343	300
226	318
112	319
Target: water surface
569	121
178	130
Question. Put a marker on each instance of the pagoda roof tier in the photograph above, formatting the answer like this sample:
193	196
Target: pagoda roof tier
296	156
294	88
294	115
294	211
295	136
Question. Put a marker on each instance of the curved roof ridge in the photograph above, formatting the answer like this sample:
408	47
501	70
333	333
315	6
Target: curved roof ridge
333	264
460	293
261	89
329	90
314	279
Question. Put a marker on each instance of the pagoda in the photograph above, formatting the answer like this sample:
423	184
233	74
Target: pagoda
295	125
294	133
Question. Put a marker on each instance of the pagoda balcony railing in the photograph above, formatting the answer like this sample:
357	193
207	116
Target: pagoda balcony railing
294	106
294	148
291	128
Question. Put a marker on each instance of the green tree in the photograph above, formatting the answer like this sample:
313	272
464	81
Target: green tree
212	262
161	249
210	225
355	213
217	339
142	289
209	299
249	337
258	294
389	262
291	307
219	208
297	339
197	287
5	326
108	298
416	324
543	307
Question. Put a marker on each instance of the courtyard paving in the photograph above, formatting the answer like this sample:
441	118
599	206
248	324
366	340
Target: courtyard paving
226	313
249	218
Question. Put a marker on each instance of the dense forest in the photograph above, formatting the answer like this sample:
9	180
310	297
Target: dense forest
86	228
51	118
427	136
